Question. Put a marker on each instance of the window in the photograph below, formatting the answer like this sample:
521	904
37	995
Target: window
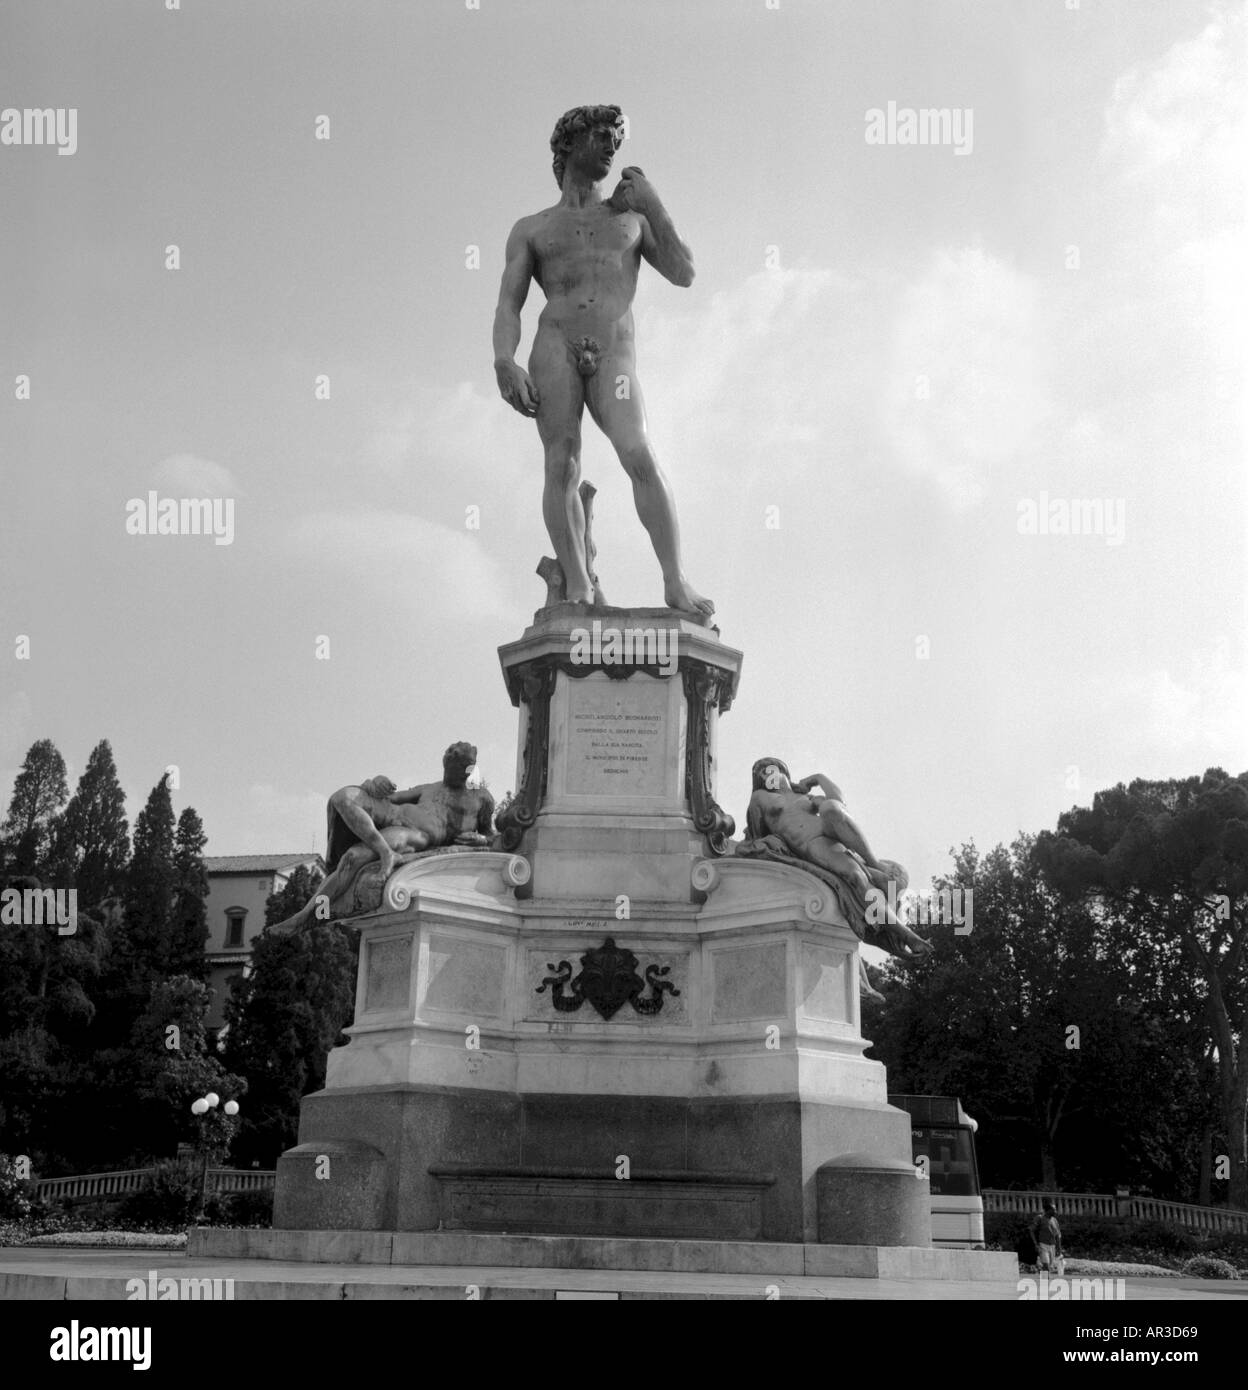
263	883
234	919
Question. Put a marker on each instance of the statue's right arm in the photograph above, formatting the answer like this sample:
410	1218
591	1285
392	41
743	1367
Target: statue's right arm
514	383
411	794
514	290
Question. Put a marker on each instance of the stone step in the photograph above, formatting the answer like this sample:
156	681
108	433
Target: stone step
74	1276
489	1250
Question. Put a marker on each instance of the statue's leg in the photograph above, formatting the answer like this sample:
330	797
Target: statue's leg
328	889
403	839
838	860
562	399
347	802
613	395
840	825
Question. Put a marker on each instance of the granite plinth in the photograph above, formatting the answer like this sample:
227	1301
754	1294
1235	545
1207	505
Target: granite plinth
863	1199
555	1201
424	1131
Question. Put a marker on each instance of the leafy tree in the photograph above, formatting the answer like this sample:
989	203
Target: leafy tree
1167	862
299	887
139	1108
991	1017
189	920
93	836
282	1019
39	791
47	987
150	885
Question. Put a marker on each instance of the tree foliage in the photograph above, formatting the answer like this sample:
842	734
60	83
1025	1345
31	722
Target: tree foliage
188	925
1032	1019
1166	862
93	836
39	792
282	1020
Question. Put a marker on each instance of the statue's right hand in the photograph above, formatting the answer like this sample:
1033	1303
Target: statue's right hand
383	786
516	387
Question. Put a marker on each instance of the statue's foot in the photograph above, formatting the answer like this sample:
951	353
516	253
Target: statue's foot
682	596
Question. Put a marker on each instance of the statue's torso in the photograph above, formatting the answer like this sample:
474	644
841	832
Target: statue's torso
443	811
790	815
587	263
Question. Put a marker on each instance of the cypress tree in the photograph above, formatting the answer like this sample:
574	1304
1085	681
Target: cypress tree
93	836
39	791
189	925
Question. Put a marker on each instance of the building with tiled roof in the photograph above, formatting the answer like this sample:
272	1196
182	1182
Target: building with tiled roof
238	887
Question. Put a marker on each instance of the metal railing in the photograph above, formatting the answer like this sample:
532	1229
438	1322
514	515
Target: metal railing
1194	1218
100	1186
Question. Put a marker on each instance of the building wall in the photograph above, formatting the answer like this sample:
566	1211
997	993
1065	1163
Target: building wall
248	890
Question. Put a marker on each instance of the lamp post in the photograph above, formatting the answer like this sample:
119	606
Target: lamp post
203	1110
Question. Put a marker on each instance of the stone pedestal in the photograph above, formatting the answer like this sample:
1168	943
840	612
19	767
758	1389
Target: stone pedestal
607	1024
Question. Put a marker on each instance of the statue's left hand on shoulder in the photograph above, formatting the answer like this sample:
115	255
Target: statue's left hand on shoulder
634	192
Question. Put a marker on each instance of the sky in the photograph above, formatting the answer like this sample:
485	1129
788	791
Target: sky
890	356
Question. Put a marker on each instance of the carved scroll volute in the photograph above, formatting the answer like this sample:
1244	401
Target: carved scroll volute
703	689
537	683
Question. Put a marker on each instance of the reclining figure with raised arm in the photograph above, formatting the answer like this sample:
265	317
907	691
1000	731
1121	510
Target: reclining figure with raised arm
374	821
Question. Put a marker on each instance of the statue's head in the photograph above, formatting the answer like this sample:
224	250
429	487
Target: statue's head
770	775
590	135
457	762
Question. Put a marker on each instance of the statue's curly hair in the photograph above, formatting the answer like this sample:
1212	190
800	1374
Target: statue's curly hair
570	125
458	751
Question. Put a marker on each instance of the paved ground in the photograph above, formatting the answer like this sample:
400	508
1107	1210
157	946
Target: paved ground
94	1274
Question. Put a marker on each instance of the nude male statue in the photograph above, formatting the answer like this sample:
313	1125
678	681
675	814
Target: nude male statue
374	821
820	830
585	253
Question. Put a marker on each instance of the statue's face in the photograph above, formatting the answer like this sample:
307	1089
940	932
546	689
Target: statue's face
775	780
455	770
593	150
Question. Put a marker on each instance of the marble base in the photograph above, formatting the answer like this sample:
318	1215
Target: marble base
609	989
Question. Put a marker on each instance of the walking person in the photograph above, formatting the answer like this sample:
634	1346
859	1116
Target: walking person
1048	1237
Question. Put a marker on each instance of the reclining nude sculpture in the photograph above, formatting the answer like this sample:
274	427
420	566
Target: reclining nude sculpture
373	821
786	824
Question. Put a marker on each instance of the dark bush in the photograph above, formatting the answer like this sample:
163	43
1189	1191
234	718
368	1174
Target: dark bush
1206	1267
169	1198
1120	1238
252	1208
18	1196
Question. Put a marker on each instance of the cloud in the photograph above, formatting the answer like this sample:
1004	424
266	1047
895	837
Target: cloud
406	560
1182	118
758	390
1200	714
965	389
188	475
1176	146
453	431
